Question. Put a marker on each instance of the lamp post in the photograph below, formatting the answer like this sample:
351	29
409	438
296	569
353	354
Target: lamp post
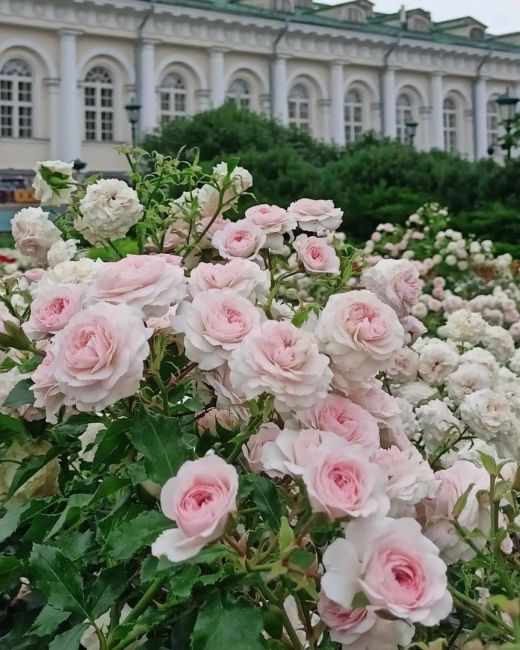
507	111
410	130
132	110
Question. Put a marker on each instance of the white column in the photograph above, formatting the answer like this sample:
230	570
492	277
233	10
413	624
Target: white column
148	116
437	104
203	100
216	65
71	126
480	113
389	98
53	125
324	108
337	94
280	90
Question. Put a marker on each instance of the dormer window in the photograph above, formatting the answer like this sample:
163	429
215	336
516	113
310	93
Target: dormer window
477	34
355	15
419	24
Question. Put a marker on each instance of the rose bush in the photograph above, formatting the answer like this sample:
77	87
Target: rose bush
219	431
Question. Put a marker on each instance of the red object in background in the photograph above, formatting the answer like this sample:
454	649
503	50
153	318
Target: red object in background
4	259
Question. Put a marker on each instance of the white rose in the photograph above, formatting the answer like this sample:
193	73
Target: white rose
62	251
415	391
62	186
34	233
81	272
487	414
499	342
436	361
436	421
468	378
109	209
464	326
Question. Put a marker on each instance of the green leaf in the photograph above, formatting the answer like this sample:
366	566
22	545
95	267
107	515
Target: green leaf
48	621
226	624
489	464
10	571
267	500
70	639
29	467
182	580
20	395
10	521
108	586
460	503
74	508
11	425
130	536
112	444
58	579
161	441
286	537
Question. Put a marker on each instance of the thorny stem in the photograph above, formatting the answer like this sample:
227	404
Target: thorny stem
291	632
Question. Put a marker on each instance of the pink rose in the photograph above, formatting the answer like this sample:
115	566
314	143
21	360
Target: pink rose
395	282
360	334
346	419
46	390
214	324
243	276
316	255
342	482
437	511
397	568
34	275
150	283
283	361
99	356
413	328
239	239
362	628
292	451
215	418
254	447
199	499
52	309
376	401
274	221
316	215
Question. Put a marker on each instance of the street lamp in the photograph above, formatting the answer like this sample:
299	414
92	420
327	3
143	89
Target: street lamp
507	112
410	130
132	110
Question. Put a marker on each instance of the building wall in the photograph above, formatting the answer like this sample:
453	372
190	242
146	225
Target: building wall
209	50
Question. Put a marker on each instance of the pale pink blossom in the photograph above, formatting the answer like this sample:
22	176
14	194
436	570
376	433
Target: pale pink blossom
346	419
214	324
395	282
316	255
99	356
362	628
47	393
150	283
52	309
239	239
253	448
342	482
316	215
394	564
215	419
283	361
360	333
243	276
274	221
292	451
199	499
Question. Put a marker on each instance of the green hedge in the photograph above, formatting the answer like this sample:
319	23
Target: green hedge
376	180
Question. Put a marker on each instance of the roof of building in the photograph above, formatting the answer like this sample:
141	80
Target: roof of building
375	23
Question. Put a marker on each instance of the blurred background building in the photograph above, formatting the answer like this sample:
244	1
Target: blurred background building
68	68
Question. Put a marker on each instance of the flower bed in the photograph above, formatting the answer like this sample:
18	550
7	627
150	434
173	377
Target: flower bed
232	430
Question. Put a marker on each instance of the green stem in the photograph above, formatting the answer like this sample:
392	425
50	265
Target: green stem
138	631
103	645
480	612
291	632
145	600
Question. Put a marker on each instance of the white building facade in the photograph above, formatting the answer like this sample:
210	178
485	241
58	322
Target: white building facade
68	67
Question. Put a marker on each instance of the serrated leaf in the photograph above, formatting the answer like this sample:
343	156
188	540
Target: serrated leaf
58	579
107	588
130	536
75	506
20	395
48	621
160	439
225	624
13	425
182	580
70	639
267	500
10	571
11	520
112	444
29	467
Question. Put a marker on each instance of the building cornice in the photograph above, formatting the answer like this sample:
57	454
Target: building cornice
188	25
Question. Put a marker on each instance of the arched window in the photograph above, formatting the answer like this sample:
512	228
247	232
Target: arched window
299	113
172	95
239	93
449	112
403	115
353	116
492	120
99	105
16	100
